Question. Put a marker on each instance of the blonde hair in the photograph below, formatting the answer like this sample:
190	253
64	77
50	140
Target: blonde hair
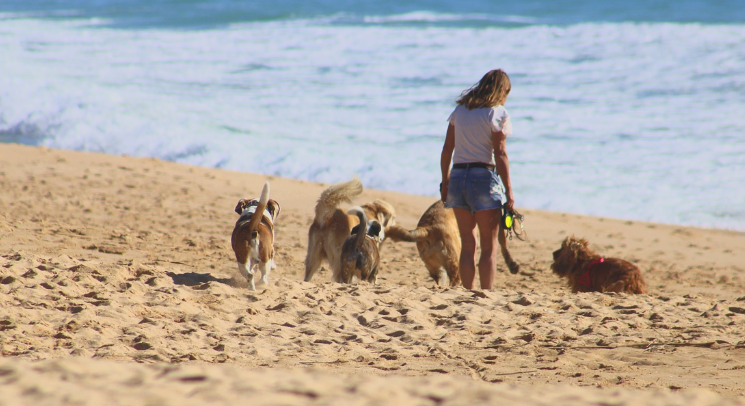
492	90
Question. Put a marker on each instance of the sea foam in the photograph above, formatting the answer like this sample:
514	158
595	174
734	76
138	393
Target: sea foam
628	120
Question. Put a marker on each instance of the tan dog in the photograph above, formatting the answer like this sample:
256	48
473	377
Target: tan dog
253	236
589	272
331	226
359	253
438	241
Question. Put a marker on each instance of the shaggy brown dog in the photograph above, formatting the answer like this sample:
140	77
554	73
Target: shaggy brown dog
589	272
359	254
332	226
438	242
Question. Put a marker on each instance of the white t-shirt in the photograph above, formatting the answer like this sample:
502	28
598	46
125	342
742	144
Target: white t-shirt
473	129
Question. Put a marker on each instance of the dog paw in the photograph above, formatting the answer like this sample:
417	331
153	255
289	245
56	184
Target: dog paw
514	267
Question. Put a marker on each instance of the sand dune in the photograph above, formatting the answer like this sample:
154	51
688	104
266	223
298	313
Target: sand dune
118	286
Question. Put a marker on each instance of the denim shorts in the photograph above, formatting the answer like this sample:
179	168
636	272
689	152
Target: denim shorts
474	189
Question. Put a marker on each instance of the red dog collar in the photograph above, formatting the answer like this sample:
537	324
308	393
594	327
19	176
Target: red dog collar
585	278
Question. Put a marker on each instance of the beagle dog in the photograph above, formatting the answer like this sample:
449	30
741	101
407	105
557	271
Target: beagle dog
253	236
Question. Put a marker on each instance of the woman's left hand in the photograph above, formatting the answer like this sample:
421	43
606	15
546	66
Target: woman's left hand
509	205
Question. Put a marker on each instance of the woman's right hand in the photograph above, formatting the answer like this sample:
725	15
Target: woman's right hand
444	191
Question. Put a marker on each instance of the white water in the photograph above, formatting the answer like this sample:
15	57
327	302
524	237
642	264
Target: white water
637	121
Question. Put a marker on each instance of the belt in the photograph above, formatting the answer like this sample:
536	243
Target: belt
474	165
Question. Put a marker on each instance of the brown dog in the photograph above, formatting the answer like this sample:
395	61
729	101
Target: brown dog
331	226
438	240
589	272
359	253
253	236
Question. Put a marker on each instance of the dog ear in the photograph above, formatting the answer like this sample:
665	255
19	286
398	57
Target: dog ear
384	218
273	208
240	206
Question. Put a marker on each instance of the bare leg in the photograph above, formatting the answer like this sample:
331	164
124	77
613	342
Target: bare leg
488	222
467	228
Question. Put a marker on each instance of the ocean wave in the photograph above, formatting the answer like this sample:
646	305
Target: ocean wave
210	14
412	19
432	17
24	132
621	120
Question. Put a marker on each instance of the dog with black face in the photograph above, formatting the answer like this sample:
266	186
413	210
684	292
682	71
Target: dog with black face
253	236
586	271
331	226
359	253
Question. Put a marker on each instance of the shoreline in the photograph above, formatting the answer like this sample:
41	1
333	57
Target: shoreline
384	191
218	190
108	262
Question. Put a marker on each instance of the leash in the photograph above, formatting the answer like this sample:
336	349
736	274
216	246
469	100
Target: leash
513	223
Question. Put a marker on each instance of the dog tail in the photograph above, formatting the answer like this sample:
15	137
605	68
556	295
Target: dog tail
362	229
335	195
253	224
398	233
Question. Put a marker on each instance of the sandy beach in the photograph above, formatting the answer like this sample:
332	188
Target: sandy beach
118	286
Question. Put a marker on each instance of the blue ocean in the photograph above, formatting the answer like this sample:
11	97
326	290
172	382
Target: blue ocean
628	109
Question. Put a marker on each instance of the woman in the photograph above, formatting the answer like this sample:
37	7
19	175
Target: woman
476	142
